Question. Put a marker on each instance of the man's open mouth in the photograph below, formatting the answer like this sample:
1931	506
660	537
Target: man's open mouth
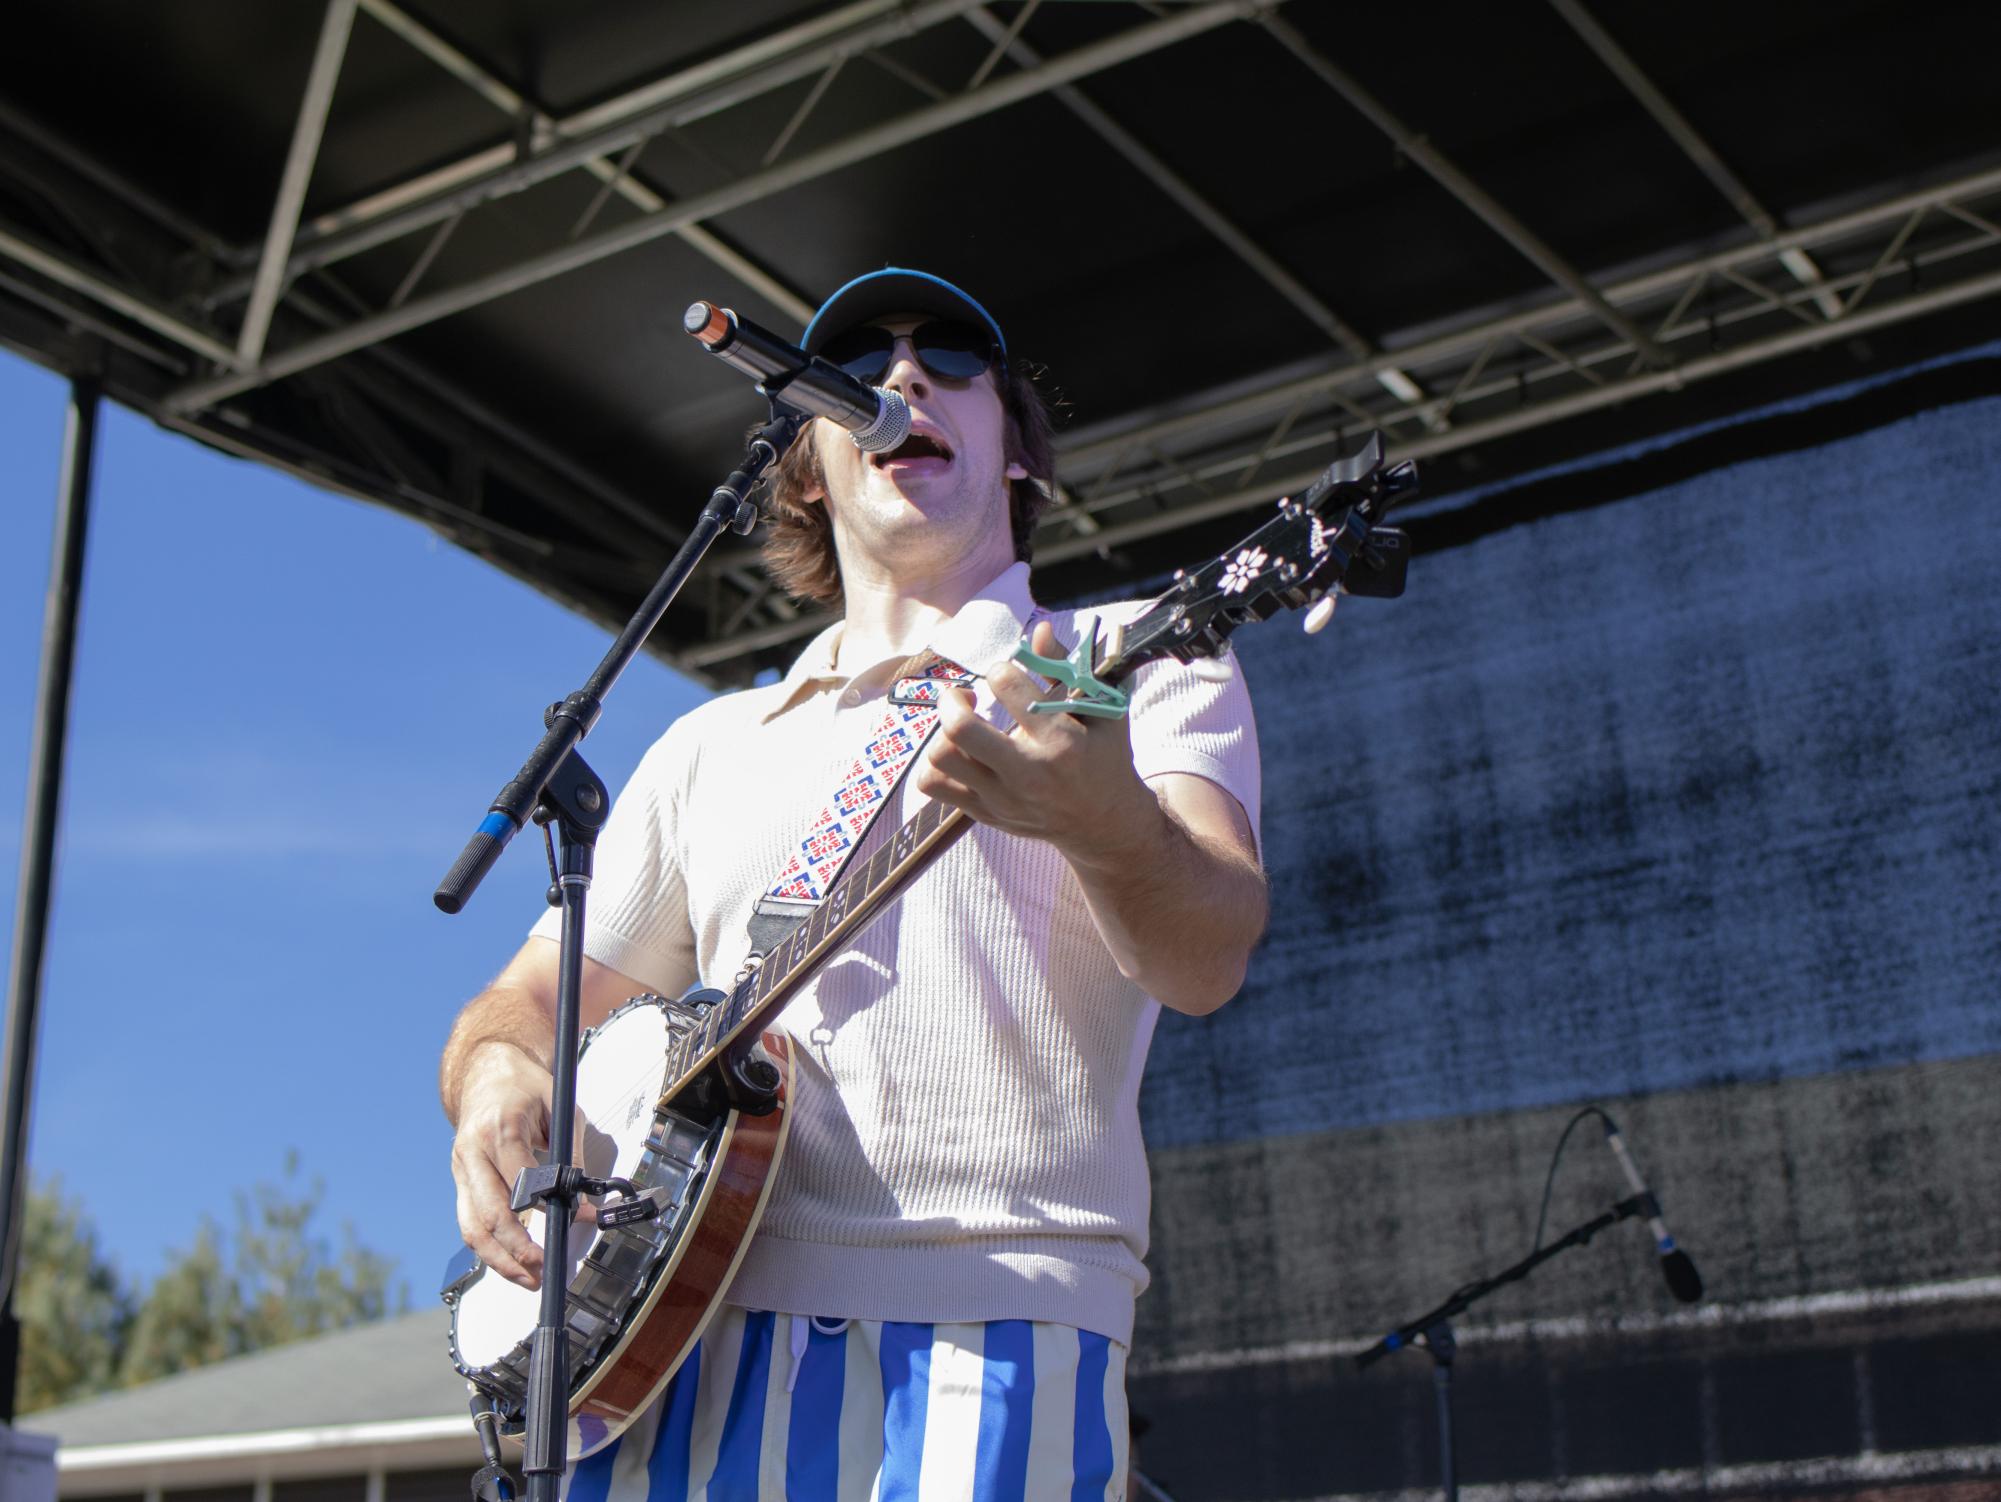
916	446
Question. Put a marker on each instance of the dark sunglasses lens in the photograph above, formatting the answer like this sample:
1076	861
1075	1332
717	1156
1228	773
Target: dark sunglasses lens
863	353
956	351
951	351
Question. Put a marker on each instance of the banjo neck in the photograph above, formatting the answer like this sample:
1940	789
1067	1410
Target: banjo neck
861	896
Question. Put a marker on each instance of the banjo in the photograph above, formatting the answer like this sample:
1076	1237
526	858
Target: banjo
683	1101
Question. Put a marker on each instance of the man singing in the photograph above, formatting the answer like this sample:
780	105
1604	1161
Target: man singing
942	1284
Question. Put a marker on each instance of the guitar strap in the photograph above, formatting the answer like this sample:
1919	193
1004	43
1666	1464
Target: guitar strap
820	855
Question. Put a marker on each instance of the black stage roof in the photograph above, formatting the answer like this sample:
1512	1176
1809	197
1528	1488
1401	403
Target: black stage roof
1238	234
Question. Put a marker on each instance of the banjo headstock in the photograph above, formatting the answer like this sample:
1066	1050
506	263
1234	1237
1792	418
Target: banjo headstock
1328	535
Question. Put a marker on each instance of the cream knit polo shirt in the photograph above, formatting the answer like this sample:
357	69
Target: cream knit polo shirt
965	1140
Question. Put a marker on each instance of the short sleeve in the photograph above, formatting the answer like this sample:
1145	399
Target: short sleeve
1185	723
636	918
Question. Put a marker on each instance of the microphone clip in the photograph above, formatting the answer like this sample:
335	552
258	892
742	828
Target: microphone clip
772	387
765	446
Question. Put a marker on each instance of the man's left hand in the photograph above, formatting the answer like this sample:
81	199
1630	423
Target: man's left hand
1061	778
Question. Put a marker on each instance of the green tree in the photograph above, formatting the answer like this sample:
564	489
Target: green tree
74	1311
292	1283
191	1315
272	1279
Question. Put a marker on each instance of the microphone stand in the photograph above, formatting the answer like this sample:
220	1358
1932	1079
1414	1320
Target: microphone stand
1433	1329
556	786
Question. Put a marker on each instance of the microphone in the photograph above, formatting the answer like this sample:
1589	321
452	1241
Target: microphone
878	421
1683	1281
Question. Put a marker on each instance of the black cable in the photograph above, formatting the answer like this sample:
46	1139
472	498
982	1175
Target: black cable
1549	1183
490	1483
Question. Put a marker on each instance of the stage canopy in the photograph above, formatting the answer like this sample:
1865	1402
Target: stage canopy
434	253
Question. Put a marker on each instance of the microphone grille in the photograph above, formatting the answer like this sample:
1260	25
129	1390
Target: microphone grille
890	428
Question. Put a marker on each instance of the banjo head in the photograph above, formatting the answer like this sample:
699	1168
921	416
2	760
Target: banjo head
623	1065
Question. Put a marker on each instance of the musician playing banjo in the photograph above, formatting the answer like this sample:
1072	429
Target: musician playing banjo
943	1279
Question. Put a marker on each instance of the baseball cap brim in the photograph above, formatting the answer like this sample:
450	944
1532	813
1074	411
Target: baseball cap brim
893	290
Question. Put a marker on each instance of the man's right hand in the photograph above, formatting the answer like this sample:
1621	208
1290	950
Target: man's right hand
503	1125
496	1090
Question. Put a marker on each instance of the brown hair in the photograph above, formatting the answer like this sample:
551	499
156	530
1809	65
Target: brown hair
799	534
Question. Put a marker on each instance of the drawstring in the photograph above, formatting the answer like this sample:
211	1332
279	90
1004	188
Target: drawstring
798	1343
797	1337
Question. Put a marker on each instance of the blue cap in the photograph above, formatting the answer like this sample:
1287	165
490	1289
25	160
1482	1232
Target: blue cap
892	290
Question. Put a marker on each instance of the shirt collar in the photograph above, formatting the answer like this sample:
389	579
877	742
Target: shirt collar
987	627
983	632
813	666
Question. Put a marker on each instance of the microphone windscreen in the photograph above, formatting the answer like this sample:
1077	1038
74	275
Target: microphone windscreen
1683	1281
890	428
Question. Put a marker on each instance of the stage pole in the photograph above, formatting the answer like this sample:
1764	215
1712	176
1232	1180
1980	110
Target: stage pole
38	844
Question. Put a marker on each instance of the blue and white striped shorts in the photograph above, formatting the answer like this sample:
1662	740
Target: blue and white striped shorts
776	1406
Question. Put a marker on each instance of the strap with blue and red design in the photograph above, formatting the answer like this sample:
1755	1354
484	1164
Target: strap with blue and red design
834	833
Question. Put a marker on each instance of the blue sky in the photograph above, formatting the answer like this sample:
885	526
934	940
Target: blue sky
289	710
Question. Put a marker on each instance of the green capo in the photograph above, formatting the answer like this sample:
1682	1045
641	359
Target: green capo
1088	695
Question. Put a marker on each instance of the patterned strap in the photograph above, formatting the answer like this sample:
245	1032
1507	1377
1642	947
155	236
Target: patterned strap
820	855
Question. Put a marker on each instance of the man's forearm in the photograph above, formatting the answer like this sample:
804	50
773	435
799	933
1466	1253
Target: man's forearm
500	1016
1178	911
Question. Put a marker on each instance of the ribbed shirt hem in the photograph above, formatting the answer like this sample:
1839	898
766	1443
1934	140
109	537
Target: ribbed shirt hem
939	1285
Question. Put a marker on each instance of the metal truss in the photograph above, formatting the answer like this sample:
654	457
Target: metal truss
1684	134
1898	259
1151	473
601	140
587	140
292	268
777	176
1587	344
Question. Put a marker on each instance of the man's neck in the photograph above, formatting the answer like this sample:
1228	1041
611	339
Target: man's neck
896	614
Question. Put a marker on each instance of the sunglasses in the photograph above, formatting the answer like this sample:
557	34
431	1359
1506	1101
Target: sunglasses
947	350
